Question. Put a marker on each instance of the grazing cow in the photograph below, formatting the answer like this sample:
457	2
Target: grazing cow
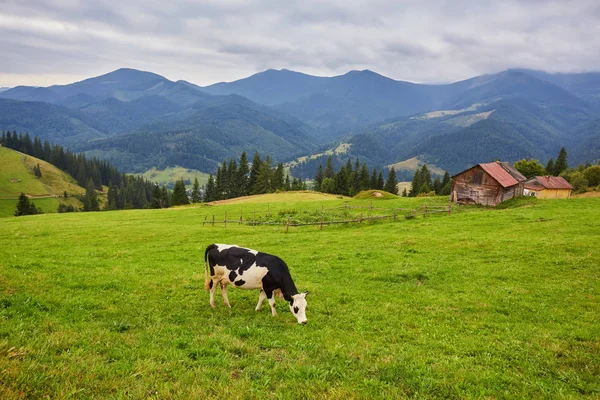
249	269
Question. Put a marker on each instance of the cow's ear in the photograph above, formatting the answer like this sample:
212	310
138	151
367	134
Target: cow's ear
305	293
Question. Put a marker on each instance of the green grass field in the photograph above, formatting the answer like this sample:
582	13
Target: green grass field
16	177
478	304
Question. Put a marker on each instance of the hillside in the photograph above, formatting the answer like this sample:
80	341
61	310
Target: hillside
105	115
16	177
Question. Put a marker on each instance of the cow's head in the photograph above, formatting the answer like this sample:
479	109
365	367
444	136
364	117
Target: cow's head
298	307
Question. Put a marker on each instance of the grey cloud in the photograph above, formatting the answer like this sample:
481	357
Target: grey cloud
215	40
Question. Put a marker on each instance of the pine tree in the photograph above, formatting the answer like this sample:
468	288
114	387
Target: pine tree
446	185
329	171
256	163
209	194
242	175
37	171
391	182
26	207
179	196
380	182
550	167
264	178
437	185
90	200
318	178
364	178
287	185
196	191
165	198
561	162
373	180
278	180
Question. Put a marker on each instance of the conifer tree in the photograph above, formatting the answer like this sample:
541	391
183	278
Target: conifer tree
196	191
329	171
391	182
364	178
550	167
561	162
373	180
278	180
90	200
165	197
209	194
256	163
287	185
318	179
179	196
242	175
26	207
380	182
264	178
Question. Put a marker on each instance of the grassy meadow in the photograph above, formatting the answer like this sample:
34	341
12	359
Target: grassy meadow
482	303
16	177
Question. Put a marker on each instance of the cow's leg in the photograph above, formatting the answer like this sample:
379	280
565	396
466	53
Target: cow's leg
261	298
224	293
213	287
271	303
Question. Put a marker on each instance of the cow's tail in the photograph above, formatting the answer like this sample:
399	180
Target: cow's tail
207	280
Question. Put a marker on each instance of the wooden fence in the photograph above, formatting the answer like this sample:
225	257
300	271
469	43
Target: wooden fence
394	214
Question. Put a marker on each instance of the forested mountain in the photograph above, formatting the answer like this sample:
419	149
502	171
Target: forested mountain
140	120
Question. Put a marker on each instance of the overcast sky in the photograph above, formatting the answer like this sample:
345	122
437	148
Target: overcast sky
207	41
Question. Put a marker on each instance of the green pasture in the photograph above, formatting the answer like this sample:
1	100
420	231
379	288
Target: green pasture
15	177
481	303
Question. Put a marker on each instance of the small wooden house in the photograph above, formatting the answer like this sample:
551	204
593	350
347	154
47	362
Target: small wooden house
487	184
548	187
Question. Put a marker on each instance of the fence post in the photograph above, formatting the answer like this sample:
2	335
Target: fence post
449	208
225	220
425	209
321	227
203	222
254	219
345	204
287	226
269	210
213	220
371	207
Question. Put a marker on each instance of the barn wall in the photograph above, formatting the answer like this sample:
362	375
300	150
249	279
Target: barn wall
475	186
553	194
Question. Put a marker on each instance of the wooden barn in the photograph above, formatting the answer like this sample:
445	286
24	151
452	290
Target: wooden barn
548	187
487	184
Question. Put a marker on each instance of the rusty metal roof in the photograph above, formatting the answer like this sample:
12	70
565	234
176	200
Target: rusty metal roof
553	182
513	171
496	171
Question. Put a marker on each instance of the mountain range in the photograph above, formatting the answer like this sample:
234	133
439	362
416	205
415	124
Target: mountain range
139	120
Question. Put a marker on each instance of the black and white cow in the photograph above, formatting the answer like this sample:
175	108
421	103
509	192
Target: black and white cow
249	269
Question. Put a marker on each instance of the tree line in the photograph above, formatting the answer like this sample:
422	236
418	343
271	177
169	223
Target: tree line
583	178
124	191
423	184
235	179
352	178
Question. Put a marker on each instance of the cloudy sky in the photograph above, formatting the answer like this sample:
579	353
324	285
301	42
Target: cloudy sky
207	41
